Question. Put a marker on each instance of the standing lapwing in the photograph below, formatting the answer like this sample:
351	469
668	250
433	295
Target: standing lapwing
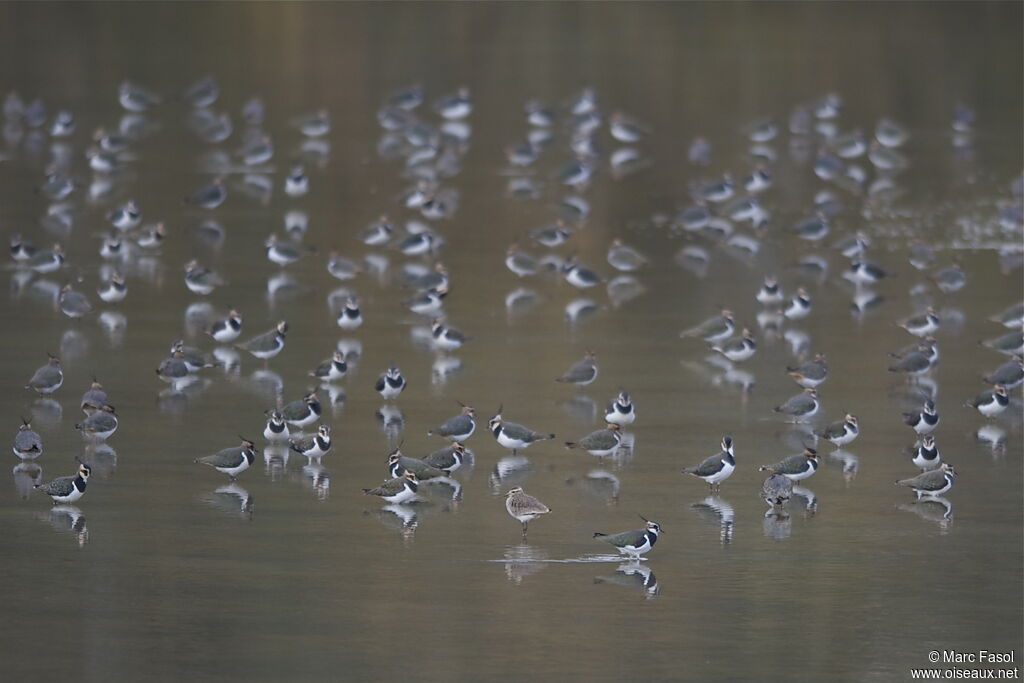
231	461
67	489
635	543
514	436
717	468
932	483
795	467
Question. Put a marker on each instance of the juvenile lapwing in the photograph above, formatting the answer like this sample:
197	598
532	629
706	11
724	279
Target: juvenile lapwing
48	378
231	461
524	507
458	428
112	289
990	402
601	442
799	306
635	543
926	454
101	424
201	280
396	491
795	467
277	427
770	292
390	383
227	329
810	374
67	489
803	405
776	490
448	459
717	468
578	275
923	421
620	410
332	369
514	436
315	447
304	411
713	329
27	444
932	483
582	372
267	345
842	432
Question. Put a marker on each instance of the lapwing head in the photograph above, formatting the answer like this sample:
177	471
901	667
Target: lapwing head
338	357
177	345
851	419
107	408
393	371
191	265
811	454
276	417
270	241
727	314
819	356
117	278
999	390
84	469
394	457
512	492
928	441
810	391
25	425
652	526
436	324
53	360
247	444
623	397
727	444
324	432
351	303
931	311
457	447
282	328
946	467
589	355
929	406
771	282
468	410
310	397
496	420
747	335
802	293
410	476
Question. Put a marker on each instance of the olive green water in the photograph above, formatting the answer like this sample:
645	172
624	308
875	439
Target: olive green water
164	574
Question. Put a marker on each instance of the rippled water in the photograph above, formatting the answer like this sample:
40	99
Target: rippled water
165	570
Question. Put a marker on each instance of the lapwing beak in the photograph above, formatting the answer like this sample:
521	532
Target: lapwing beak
643	518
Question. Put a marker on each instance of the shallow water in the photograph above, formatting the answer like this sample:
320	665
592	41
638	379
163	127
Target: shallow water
165	571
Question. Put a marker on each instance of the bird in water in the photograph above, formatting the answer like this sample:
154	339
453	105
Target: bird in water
524	507
231	461
633	544
717	468
67	489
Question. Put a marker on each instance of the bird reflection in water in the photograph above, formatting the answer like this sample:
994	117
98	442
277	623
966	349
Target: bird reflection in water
600	483
520	301
522	561
777	525
26	476
993	436
580	408
633	575
509	471
450	487
275	460
716	510
443	368
47	412
810	499
231	499
403	518
67	518
849	462
114	324
391	421
934	509
101	458
317	477
266	383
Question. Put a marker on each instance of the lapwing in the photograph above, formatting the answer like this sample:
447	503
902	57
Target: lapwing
795	467
457	105
112	289
377	233
634	544
926	454
623	257
304	411
458	428
601	442
578	275
551	235
1011	316
332	369
173	368
101	424
932	483
1009	374
67	489
1011	343
803	405
990	402
48	378
350	316
429	302
448	459
917	362
201	280
776	490
314	124
520	262
390	383
47	260
315	447
620	410
717	468
950	279
150	237
739	349
296	183
267	345
923	421
277	427
399	464
582	372
922	325
196	359
27	444
446	338
21	250
231	461
396	491
770	292
126	216
341	267
865	272
524	507
713	329
227	329
514	436
810	374
73	304
842	432
208	196
283	253
135	98
799	306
